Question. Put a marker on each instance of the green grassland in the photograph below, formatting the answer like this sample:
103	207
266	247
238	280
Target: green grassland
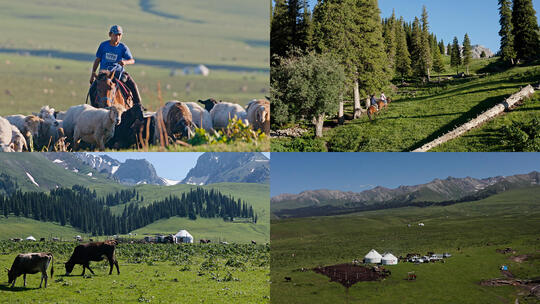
162	273
20	227
419	114
510	219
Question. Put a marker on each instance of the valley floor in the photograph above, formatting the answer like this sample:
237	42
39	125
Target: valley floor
471	232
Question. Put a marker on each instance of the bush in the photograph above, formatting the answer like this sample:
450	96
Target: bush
236	131
523	136
346	140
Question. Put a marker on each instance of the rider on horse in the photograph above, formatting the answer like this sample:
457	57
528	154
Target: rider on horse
113	56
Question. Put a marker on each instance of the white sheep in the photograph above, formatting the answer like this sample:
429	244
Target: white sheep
71	117
258	114
27	125
96	126
46	113
5	136
18	140
200	116
223	111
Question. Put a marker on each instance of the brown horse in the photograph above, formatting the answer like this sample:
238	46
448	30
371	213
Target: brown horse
372	110
108	92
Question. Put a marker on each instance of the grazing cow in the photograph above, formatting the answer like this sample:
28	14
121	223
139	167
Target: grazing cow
30	263
288	279
125	133
253	242
205	241
209	103
94	251
258	114
223	111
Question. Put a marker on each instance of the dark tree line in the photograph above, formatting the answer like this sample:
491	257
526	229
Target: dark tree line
7	184
82	209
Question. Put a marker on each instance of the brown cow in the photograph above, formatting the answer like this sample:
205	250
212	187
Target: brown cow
94	251
30	263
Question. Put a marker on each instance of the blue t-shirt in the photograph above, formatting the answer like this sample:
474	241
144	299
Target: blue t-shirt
110	55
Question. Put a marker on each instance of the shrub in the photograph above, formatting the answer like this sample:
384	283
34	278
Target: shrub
523	136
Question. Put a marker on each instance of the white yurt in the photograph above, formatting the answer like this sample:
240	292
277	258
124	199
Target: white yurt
389	259
31	238
201	70
373	257
183	236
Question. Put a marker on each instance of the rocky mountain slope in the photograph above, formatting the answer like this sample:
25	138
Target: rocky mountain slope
437	191
232	167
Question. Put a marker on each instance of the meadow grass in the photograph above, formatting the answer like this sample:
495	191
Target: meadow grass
157	273
477	228
419	114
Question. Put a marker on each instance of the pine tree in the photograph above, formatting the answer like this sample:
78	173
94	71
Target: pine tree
279	31
525	30
449	50
306	28
438	64
426	61
455	55
337	25
416	47
467	55
389	34
403	57
507	38
441	48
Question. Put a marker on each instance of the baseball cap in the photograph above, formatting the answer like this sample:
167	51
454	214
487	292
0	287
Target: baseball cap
116	29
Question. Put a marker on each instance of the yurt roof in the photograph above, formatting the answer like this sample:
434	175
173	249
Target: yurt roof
183	233
389	256
373	254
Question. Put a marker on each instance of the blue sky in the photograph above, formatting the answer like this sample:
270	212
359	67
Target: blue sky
296	172
478	18
171	165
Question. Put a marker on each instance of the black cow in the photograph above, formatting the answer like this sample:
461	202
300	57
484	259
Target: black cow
30	263
95	251
125	133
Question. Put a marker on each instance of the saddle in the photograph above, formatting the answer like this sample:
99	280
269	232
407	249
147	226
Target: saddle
126	93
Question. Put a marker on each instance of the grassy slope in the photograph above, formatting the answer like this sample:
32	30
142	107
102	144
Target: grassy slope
231	34
505	220
20	227
411	122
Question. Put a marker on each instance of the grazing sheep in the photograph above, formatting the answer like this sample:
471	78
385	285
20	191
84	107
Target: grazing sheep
177	119
258	114
96	126
223	111
71	117
125	134
59	115
6	134
46	113
28	125
51	136
209	104
18	140
201	117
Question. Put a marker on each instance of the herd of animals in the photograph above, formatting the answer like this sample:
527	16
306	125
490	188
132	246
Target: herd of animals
115	127
31	263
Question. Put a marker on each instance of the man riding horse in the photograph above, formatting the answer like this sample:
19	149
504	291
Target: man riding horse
113	56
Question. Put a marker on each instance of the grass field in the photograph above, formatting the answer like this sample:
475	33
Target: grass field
419	114
156	273
509	219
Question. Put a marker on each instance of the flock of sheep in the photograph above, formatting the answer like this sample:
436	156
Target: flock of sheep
116	127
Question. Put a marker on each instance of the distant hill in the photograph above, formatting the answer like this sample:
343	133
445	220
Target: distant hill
447	191
233	167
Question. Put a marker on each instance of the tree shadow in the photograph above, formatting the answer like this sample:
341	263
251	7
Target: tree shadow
471	114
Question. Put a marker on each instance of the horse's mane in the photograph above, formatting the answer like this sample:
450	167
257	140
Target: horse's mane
103	74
